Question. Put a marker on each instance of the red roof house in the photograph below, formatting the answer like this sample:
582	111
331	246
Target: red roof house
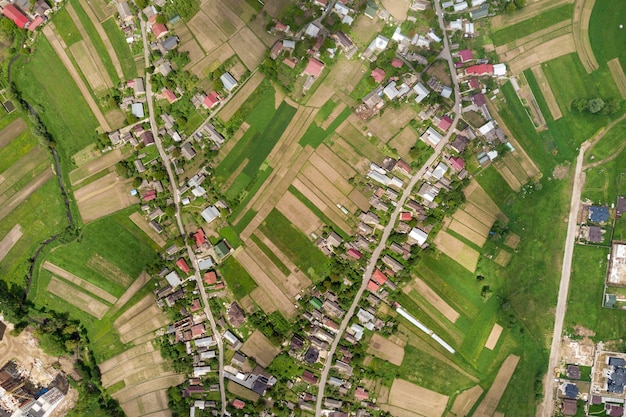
481	69
159	30
466	55
309	377
405	216
372	286
290	62
281	27
360	394
211	100
354	253
445	123
219	286
457	163
169	95
15	15
396	63
197	330
314	67
36	22
200	237
210	278
182	264
238	404
149	195
473	83
195	305
378	75
379	277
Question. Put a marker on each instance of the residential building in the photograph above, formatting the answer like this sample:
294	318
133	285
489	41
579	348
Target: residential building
228	81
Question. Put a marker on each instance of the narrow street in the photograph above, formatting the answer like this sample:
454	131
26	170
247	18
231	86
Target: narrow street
174	184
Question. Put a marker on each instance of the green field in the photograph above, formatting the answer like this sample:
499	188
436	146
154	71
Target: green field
295	245
237	278
608	144
66	28
604	31
45	83
319	213
97	42
605	182
271	255
315	135
532	25
122	50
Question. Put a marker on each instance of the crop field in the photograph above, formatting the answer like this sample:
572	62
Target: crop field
248	47
611	141
9	240
259	348
617	72
534	24
295	245
79	282
367	147
241	96
121	48
385	349
237	278
490	401
465	401
528	12
547	92
457	250
494	336
77	298
96	165
433	298
391	122
11	131
44	80
411	398
104	196
605	34
89	67
299	214
142	223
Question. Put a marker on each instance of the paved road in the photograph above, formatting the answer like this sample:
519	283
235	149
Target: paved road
174	184
387	231
546	407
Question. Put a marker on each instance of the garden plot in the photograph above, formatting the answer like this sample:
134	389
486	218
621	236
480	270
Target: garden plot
142	223
434	298
9	240
392	121
248	47
322	202
465	401
547	51
343	77
138	284
142	324
151	404
299	214
331	174
30	164
25	192
263	300
288	285
228	21
341	166
206	32
79	282
615	67
241	96
259	348
77	298
479	214
403	142
109	270
140	306
385	349
269	286
11	131
547	92
477	196
467	232
300	280
416	400
494	336
128	394
196	53
514	165
532	10
508	176
489	403
327	187
532	41
503	258
512	240
91	66
242	392
103	197
129	355
213	60
346	152
93	166
124	368
539	34
457	250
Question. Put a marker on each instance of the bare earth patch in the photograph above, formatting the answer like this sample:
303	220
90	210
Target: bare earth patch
260	349
466	256
9	240
79	282
416	400
104	196
503	258
547	92
489	403
464	403
385	349
512	240
397	8
12	131
494	336
618	75
77	298
434	298
298	214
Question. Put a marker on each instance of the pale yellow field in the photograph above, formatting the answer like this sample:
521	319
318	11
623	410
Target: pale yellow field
79	282
385	349
298	214
494	336
434	298
109	270
489	403
9	240
547	92
142	223
259	348
457	250
418	399
618	75
465	401
77	298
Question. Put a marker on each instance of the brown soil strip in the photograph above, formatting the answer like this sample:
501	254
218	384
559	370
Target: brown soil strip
299	214
409	396
109	270
515	167
494	336
315	195
468	233
508	176
503	258
331	174
134	310
263	300
142	223
77	298
489	403
532	10
479	214
96	165
12	130
512	240
9	240
472	222
32	163
19	197
161	383
464	403
336	162
535	35
260	349
434	298
56	45
385	349
547	51
582	15
87	286
287	285
123	368
142	280
120	359
618	75
457	250
547	92
315	176
535	42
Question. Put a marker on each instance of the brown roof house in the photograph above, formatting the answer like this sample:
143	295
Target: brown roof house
235	314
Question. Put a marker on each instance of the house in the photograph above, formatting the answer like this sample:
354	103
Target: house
210	278
486	128
311	355
418	235
394	265
37	21
173	279
445	123
235	315
446	92
480	69
232	339
466	55
372	286
354	253
459	144
431	137
499	70
238	404
314	68
312	31
159	30
187	151
290	62
42	8
137	86
147	138
276	50
440	170
197	330
206	263
124	11
200	237
569	407
456	163
169	95
210	213
391	91
343	40
170	43
182	264
361	394
598	214
222	249
481	12
137	110
459	7
228	81
396	63
421	91
309	377
332	403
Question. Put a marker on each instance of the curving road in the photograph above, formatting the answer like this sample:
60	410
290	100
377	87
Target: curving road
387	231
174	184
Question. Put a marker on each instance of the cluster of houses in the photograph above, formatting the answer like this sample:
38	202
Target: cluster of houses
323	313
27	14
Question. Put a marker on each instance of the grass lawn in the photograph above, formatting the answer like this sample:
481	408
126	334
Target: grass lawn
534	24
295	245
604	32
315	135
619	231
122	50
229	233
237	278
245	220
97	41
607	181
607	145
45	83
66	28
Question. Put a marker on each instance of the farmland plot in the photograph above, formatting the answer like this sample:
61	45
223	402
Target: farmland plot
415	400
77	298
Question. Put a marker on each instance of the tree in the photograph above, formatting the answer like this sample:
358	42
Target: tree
595	105
520	3
580	105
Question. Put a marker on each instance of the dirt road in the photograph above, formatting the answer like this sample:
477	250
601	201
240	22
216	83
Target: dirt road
545	408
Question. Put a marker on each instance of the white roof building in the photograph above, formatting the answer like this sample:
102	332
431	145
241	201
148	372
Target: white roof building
446	92
492	155
433	136
375	167
210	213
396	182
228	81
137	110
469	28
486	128
173	279
378	177
379	43
459	7
312	31
404	89
499	70
391	91
447	4
399	37
347	19
418	235
433	36
440	170
341	8
205	264
478	2
420	41
456	24
422	92
198	191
